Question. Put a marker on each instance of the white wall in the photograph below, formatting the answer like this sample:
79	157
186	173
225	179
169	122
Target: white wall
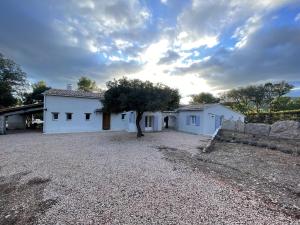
131	127
181	122
209	117
77	106
116	122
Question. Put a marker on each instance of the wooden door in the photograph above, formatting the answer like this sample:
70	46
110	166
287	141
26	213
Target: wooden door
106	121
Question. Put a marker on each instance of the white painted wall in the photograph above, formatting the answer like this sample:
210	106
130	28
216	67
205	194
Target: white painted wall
181	122
209	117
116	122
77	106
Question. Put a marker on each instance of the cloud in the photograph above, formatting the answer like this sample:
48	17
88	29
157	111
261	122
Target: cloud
297	17
190	45
83	38
169	57
270	54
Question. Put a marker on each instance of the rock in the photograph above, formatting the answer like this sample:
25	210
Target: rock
238	126
257	129
228	125
286	129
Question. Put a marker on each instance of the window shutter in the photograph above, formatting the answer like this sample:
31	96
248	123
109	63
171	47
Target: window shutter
187	120
155	123
197	120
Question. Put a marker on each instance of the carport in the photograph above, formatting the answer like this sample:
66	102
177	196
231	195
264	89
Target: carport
17	117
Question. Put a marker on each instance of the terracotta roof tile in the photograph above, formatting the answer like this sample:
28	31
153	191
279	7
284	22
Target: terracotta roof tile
73	93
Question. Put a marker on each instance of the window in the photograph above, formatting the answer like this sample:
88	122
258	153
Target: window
55	116
87	116
148	121
193	120
68	116
123	116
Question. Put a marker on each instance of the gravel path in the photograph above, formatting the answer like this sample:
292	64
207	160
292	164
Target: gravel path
113	178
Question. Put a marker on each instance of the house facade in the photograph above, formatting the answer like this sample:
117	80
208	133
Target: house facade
202	119
69	111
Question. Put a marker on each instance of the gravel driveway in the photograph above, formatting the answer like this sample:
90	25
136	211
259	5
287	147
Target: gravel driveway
114	178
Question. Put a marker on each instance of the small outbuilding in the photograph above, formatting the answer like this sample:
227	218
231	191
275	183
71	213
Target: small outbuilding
202	119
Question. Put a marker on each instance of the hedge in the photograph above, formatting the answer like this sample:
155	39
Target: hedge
272	117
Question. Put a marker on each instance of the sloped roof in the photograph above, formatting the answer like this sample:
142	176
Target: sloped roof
72	93
198	107
201	107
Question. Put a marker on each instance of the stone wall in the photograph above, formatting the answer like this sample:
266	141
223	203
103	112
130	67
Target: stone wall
282	129
2	125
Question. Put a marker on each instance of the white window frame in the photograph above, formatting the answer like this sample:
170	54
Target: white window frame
193	120
67	113
53	113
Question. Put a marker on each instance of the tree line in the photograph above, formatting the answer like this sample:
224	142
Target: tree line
268	97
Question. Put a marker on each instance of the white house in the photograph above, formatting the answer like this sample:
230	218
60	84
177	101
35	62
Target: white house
68	111
201	119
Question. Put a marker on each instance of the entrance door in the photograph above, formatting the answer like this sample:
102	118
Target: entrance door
148	123
106	121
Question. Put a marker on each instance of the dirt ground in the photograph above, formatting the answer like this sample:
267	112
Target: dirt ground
162	178
271	174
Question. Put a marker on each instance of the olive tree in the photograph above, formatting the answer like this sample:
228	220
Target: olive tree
139	96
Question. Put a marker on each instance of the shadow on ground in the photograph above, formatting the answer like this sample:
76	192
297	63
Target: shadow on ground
22	204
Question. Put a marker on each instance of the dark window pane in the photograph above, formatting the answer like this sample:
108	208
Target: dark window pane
87	116
69	116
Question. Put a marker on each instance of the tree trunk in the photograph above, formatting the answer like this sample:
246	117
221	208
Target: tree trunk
137	122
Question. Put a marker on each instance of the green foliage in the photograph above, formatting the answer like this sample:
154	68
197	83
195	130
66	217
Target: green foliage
12	82
258	98
37	93
86	84
204	98
136	95
272	117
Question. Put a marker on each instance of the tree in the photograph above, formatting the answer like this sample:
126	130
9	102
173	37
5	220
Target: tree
204	98
12	82
86	84
257	98
136	95
256	94
37	93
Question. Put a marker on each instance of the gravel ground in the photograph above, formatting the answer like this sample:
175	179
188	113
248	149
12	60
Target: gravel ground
114	178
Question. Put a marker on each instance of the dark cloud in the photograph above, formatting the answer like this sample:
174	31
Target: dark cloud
169	57
51	42
269	54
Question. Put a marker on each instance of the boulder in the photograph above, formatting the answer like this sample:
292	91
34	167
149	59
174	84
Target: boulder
257	129
240	126
228	125
286	129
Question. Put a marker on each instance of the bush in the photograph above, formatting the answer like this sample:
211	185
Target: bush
272	117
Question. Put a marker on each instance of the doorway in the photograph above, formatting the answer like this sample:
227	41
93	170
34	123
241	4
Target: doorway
106	121
148	123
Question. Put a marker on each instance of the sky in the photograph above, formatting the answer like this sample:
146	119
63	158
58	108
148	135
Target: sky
193	45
